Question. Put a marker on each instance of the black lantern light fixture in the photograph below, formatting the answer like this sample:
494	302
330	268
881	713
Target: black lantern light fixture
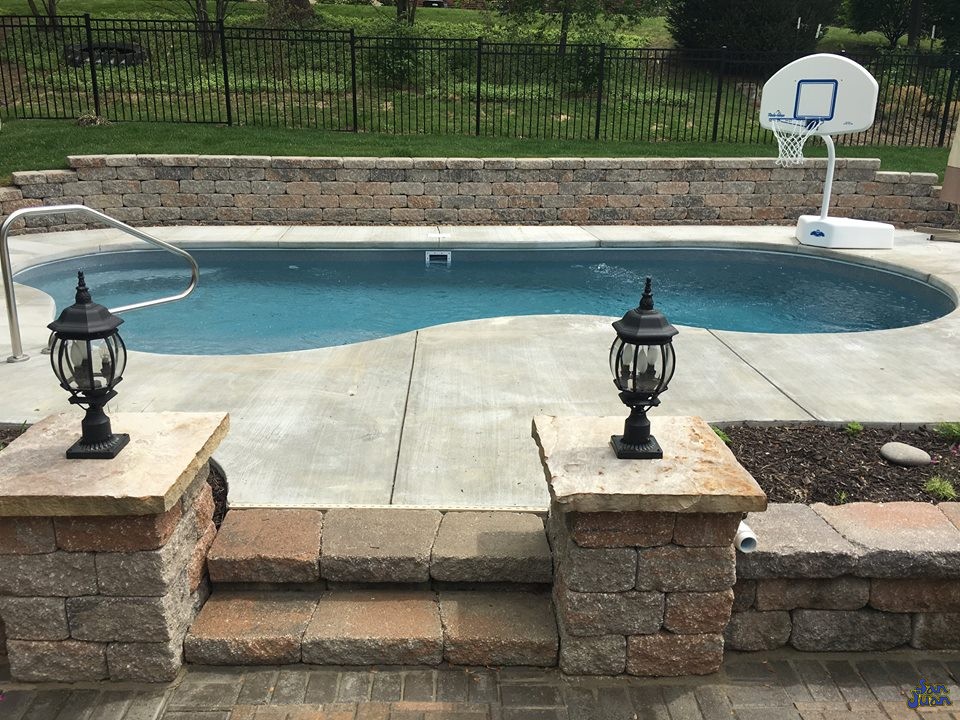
88	357
642	362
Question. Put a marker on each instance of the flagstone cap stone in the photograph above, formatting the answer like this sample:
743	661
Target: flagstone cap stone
165	453
897	539
795	542
698	473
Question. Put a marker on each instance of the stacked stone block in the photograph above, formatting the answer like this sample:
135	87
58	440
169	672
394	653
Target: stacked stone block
197	189
92	598
646	593
857	577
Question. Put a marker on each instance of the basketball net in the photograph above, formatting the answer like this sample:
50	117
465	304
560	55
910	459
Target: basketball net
791	136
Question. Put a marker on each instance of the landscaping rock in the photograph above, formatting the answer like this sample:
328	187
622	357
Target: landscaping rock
603	655
690	613
623	613
64	661
620	529
849	630
498	629
365	545
491	547
668	655
254	628
900	453
753	630
267	545
600	570
898	539
845	593
795	542
671	568
34	618
386	627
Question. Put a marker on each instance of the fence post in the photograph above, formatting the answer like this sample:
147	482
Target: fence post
353	77
603	58
716	106
951	85
226	76
93	65
479	59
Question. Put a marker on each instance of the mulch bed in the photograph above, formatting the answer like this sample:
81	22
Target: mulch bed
815	463
792	463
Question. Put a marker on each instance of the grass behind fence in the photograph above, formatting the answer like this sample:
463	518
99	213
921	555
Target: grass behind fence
45	144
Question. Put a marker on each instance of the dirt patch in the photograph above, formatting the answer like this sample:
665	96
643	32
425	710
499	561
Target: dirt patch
815	463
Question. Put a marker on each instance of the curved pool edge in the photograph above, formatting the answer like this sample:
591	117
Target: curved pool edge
913	255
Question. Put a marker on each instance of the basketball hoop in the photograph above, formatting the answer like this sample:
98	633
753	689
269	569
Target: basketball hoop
791	136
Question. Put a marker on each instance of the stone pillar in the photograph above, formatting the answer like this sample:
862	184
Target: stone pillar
643	549
103	562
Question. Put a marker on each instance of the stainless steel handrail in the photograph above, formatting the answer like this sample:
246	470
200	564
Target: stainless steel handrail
13	319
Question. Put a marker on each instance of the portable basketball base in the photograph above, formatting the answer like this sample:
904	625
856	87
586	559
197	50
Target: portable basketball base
825	95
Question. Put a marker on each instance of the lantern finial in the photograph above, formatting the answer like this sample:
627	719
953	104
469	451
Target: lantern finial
646	302
83	292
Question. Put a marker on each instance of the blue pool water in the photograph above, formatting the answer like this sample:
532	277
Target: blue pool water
254	301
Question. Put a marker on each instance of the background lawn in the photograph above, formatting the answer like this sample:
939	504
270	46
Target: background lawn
45	144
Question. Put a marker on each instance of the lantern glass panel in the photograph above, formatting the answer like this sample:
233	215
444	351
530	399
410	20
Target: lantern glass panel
93	364
644	369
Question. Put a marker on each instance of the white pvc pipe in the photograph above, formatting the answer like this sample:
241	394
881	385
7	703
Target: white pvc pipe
745	540
828	183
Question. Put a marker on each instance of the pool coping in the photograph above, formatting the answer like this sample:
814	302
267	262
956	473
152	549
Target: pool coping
767	373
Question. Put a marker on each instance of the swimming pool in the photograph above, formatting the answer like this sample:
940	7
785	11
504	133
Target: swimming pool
268	300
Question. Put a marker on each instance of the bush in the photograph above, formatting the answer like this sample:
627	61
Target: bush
288	13
748	25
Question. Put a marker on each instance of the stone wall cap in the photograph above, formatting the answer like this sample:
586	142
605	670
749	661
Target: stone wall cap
698	473
148	477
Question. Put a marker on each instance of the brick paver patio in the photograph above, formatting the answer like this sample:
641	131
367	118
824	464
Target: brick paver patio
780	685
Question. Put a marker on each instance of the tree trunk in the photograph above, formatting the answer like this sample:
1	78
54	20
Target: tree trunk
565	12
916	18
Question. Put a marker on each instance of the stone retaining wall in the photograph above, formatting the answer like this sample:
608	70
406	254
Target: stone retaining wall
197	189
855	577
91	598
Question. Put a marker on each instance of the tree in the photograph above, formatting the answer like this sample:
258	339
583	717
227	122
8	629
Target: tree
945	14
206	26
289	13
890	18
45	11
564	15
749	25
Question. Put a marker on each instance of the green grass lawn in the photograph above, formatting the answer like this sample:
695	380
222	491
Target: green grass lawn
45	144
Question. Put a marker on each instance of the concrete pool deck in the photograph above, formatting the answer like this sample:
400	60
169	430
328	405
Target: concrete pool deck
441	416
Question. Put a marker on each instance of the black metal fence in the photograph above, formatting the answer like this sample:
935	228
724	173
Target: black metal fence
175	71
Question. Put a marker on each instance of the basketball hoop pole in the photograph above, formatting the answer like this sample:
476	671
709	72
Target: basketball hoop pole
828	183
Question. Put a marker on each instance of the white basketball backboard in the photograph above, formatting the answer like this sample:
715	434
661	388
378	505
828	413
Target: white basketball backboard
826	88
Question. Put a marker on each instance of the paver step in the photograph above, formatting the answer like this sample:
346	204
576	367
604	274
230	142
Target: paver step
414	547
374	627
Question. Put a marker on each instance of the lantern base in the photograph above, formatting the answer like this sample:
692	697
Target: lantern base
649	450
104	450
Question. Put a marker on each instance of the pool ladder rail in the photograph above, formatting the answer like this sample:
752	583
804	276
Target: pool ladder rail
16	343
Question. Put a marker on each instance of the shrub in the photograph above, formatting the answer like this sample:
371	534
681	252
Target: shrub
748	25
853	428
948	430
288	13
